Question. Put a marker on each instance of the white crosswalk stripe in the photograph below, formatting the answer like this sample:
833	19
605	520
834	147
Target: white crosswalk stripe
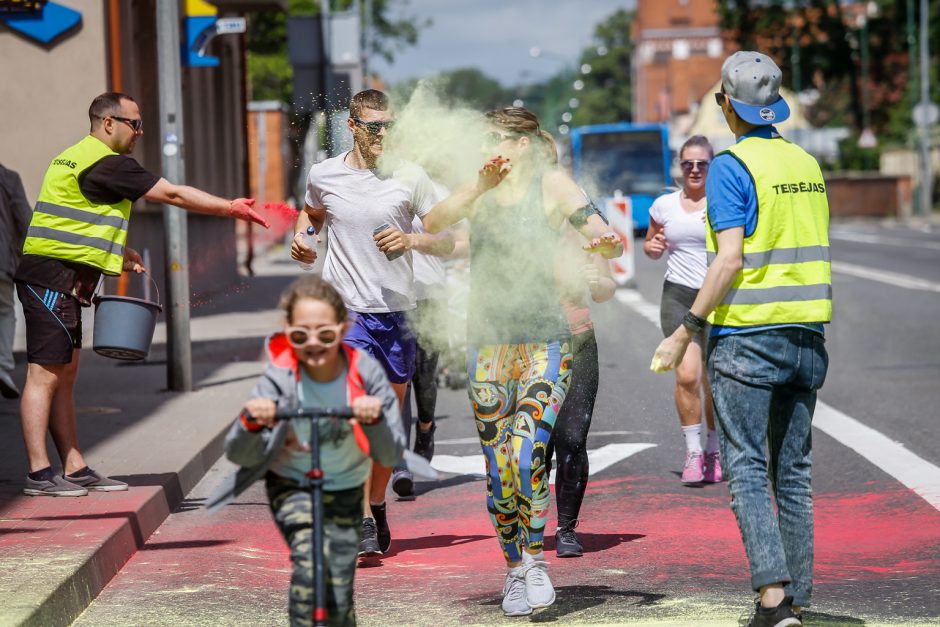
598	459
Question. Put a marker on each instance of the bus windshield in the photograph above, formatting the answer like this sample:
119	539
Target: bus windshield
631	161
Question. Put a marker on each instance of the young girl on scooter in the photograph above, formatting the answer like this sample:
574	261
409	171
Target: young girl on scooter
311	367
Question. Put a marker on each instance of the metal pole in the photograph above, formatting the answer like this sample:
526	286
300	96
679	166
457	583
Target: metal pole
179	367
327	69
866	62
912	51
795	59
866	89
926	182
367	43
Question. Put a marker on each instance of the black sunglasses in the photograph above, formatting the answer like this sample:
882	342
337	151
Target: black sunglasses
374	127
689	164
720	98
134	124
495	138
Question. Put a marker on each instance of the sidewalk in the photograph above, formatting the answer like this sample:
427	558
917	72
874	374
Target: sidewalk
56	554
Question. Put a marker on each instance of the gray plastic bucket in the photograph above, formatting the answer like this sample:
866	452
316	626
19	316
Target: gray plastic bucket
124	326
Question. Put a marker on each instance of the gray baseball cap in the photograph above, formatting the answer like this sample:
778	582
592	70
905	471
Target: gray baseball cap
752	82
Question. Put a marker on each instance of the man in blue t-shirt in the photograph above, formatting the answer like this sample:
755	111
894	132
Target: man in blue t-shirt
768	291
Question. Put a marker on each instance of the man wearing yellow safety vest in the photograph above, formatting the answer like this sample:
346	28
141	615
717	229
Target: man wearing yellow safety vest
767	293
78	232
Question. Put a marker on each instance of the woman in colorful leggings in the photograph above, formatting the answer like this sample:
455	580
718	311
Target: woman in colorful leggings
519	354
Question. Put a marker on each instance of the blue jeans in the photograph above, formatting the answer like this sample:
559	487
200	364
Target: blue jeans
764	385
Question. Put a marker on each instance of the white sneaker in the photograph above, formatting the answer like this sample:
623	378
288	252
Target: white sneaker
538	587
514	593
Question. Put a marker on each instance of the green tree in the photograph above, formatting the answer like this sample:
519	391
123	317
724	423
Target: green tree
465	86
606	95
269	71
828	39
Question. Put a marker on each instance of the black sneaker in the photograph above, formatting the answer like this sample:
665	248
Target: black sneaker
780	616
566	541
369	545
403	484
424	441
384	535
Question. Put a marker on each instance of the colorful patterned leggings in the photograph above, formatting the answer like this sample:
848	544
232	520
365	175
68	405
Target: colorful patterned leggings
516	391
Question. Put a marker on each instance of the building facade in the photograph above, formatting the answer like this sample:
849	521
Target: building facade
49	85
678	52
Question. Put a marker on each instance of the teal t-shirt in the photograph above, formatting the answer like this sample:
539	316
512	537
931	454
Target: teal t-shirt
344	464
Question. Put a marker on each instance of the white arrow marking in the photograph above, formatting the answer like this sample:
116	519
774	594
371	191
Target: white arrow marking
598	459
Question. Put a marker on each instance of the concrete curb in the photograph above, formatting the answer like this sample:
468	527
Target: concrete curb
79	589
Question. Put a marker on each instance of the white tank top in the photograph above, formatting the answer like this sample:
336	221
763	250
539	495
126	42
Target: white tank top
685	240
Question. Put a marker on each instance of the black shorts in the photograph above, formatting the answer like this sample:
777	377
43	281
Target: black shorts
676	302
53	324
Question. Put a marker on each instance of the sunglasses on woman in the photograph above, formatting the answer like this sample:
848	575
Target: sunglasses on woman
326	336
690	164
374	127
495	138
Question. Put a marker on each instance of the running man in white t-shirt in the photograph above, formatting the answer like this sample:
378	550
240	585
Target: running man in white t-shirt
677	225
368	216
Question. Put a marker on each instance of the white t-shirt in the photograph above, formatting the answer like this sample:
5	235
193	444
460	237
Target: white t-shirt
357	202
430	274
685	240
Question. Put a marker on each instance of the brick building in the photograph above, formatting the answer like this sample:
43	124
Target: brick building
678	52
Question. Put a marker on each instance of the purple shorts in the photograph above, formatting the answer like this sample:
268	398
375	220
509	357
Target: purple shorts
387	338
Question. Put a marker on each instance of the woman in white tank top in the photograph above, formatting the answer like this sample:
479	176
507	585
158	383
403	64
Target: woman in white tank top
677	226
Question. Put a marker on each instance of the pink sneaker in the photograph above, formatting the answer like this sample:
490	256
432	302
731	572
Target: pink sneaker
693	469
712	468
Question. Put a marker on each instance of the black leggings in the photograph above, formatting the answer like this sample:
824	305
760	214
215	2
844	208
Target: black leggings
424	382
569	437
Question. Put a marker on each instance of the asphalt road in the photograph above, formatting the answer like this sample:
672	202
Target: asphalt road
656	552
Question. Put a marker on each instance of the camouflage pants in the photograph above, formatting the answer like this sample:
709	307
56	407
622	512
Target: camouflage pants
292	507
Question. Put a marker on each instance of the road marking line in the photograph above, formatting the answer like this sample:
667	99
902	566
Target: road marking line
635	300
884	276
912	471
865	238
892	457
590	434
598	459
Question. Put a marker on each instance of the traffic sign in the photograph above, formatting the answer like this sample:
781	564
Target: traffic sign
925	114
867	139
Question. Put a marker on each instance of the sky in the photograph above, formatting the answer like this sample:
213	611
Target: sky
496	36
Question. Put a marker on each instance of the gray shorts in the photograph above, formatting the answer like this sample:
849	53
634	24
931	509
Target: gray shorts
676	301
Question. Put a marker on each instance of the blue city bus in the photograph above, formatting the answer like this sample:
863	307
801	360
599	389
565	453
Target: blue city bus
632	158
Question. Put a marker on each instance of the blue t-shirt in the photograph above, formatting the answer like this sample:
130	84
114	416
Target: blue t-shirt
732	202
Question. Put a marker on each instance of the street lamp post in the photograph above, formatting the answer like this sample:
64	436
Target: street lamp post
926	183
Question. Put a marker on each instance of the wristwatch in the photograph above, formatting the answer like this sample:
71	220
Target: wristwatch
693	323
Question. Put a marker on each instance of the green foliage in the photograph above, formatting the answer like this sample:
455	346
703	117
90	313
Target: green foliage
469	87
851	157
270	77
607	93
269	70
821	42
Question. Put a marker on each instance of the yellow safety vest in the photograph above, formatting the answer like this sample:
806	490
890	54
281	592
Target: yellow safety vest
786	277
66	225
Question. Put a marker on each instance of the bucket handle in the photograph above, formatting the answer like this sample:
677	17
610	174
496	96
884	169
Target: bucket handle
149	276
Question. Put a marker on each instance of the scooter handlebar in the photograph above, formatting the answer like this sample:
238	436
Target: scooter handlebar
313	413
